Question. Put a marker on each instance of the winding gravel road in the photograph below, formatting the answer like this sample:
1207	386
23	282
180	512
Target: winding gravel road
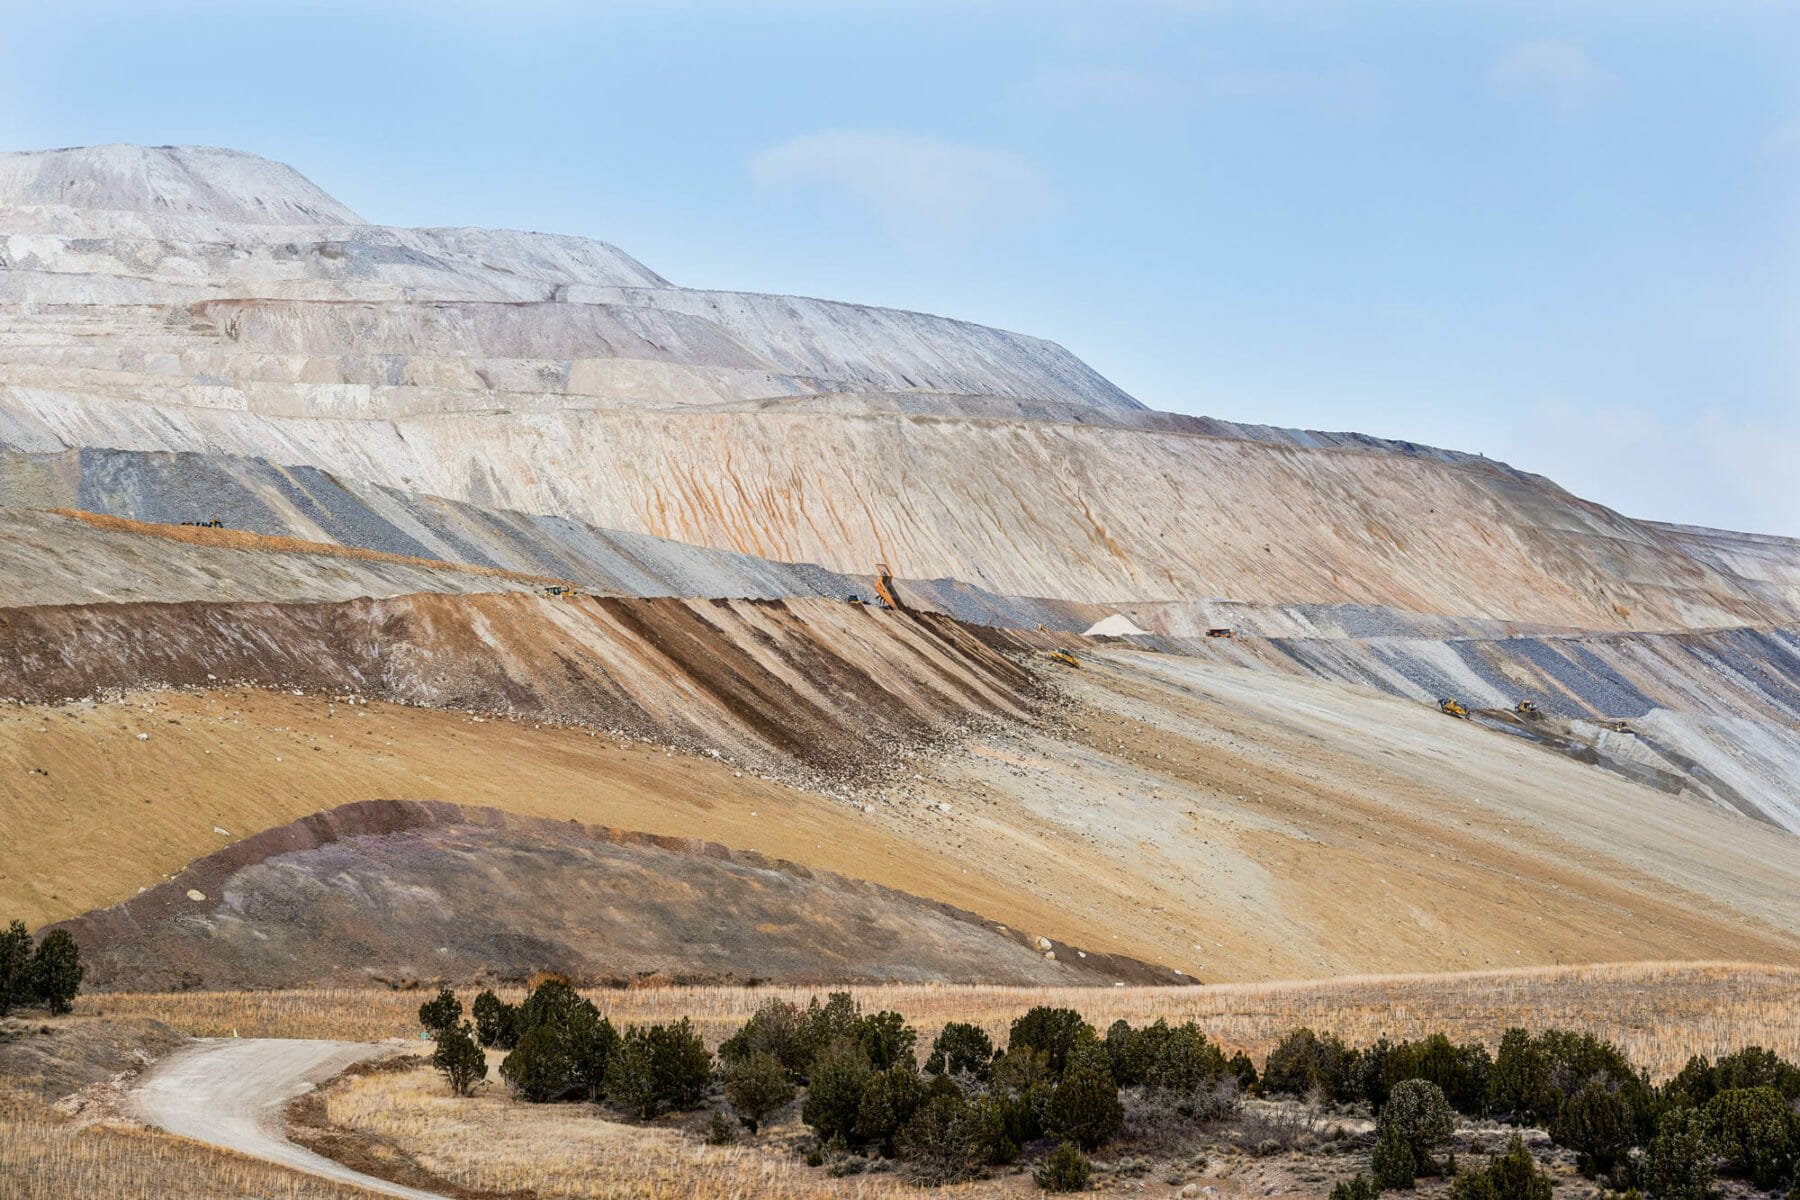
230	1092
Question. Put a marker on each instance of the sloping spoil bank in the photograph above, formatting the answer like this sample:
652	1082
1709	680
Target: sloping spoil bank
827	687
398	892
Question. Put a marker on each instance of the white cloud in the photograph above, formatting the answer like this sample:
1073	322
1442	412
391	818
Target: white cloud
1560	72
926	192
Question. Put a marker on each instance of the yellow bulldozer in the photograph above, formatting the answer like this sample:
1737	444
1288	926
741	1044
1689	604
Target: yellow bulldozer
1528	710
1454	707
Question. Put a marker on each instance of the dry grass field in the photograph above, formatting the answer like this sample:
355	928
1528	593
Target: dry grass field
44	1157
490	1143
1659	1013
491	1146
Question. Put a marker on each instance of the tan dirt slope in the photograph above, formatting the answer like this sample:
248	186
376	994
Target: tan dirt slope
1289	828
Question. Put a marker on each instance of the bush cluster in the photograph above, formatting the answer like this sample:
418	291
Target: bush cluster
47	975
1060	1090
1736	1117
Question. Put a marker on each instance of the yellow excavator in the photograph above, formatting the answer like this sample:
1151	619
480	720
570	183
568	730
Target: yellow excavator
1453	707
1064	657
1528	710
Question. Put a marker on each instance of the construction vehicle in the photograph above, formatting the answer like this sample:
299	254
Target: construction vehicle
568	593
884	587
1528	710
855	599
1453	707
1616	726
1224	633
1064	657
215	523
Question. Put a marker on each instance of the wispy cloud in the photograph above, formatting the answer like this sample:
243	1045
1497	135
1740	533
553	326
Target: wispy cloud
928	193
1559	72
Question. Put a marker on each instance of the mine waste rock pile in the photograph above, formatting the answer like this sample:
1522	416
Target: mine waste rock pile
300	512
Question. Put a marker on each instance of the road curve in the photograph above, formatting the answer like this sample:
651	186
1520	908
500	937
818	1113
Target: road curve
230	1092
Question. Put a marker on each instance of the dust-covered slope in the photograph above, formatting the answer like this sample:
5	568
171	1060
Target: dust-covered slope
809	684
430	891
1289	828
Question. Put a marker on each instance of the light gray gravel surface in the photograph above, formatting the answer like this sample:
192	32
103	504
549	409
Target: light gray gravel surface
230	1092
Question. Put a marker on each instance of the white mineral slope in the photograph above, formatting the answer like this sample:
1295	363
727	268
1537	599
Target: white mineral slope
1064	511
230	1093
192	300
171	181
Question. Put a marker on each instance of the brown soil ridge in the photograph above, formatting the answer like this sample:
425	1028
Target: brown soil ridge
241	539
826	686
405	891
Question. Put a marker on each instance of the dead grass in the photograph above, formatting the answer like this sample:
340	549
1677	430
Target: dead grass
492	1144
1660	1013
43	1157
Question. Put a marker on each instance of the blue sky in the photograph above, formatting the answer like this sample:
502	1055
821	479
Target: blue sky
1562	234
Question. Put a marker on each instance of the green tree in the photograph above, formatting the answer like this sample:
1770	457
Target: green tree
591	1042
17	987
889	1100
56	971
1513	1175
496	1022
1067	1169
1000	1127
1184	1061
942	1142
1680	1162
1357	1187
1084	1109
1393	1162
1594	1123
835	1089
887	1039
1519	1084
681	1064
1754	1067
441	1012
459	1059
1418	1115
961	1049
552	1002
757	1085
772	1030
540	1068
1304	1060
1756	1132
631	1075
1245	1070
1051	1030
823	1024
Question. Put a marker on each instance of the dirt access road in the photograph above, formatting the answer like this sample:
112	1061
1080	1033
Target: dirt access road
230	1092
